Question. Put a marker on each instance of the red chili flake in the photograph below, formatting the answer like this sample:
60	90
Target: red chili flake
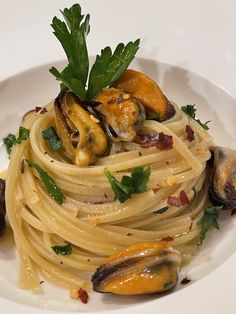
37	109
167	239
83	296
190	227
173	200
230	192
190	133
112	100
44	110
120	99
185	281
183	198
161	141
22	166
41	282
233	211
100	202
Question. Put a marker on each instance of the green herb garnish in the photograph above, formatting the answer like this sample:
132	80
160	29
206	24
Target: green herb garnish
194	191
53	139
62	250
190	110
157	117
161	210
166	284
12	140
107	67
50	185
210	218
136	183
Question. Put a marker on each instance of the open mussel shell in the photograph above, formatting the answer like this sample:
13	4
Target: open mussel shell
147	92
144	268
222	177
80	132
2	207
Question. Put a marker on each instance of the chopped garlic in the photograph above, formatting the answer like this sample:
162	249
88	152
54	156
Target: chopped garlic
94	222
74	293
171	180
126	96
94	119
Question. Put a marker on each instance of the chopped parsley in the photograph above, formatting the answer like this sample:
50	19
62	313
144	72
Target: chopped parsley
190	110
50	185
136	183
166	284
12	140
161	210
209	219
107	67
62	250
194	191
50	135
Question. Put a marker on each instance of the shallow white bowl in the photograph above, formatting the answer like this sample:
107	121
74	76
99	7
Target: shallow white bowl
37	87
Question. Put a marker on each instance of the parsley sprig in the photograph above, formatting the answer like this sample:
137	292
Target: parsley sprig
209	219
108	66
12	140
136	183
190	110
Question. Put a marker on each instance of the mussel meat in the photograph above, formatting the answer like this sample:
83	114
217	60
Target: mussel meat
83	138
222	177
144	268
123	113
144	89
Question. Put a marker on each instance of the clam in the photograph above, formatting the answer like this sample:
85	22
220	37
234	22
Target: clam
144	89
143	268
80	132
222	176
123	115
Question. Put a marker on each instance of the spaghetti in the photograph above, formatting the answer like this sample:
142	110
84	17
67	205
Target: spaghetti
89	218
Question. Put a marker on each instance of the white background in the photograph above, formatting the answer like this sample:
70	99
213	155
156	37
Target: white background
197	35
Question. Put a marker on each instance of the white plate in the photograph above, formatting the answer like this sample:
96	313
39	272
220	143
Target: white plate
210	279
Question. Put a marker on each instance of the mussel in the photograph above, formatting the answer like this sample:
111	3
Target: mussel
222	177
83	138
144	268
144	89
123	114
2	207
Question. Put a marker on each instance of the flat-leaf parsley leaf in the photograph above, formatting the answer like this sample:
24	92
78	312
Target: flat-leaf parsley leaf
50	135
190	110
50	185
107	67
210	218
62	250
136	183
12	140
